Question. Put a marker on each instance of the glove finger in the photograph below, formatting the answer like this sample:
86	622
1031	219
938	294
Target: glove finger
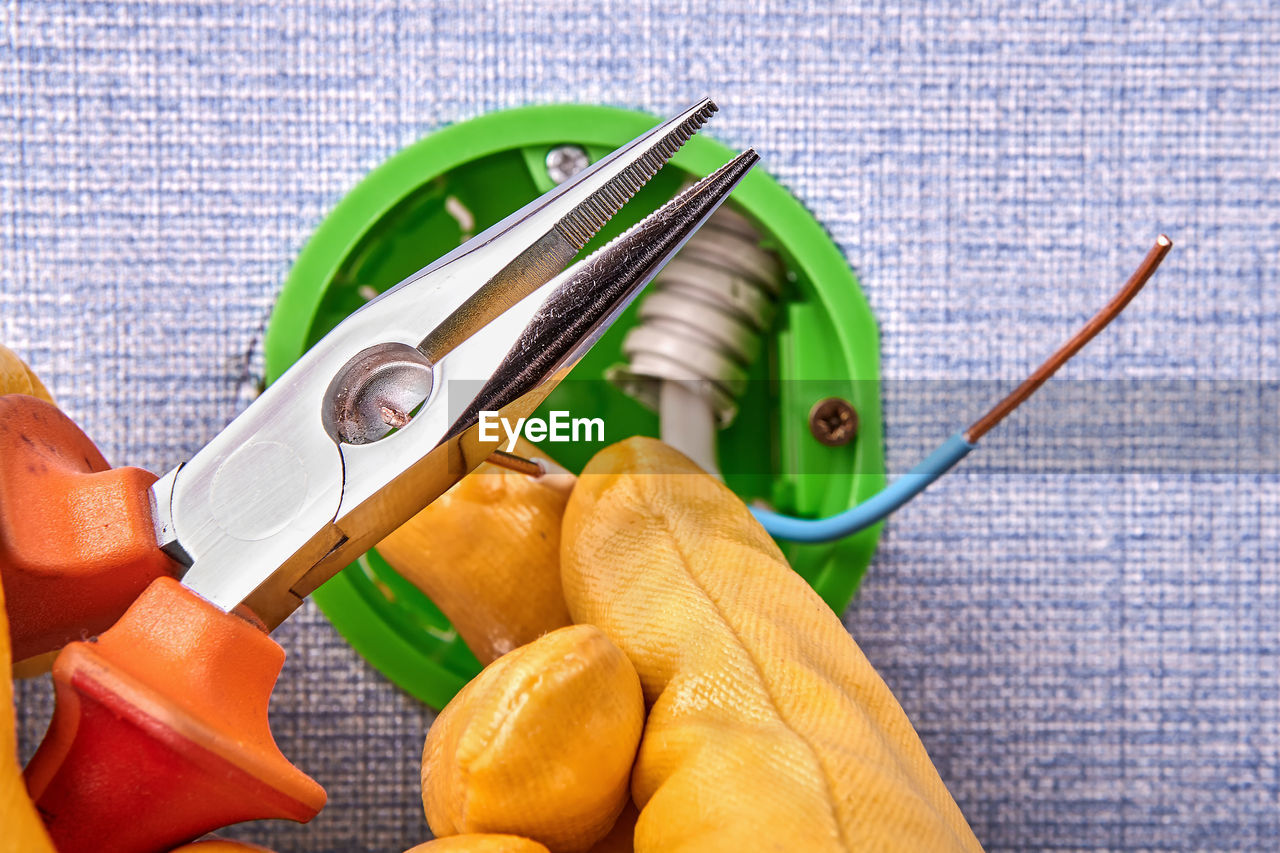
768	728
540	744
17	378
487	552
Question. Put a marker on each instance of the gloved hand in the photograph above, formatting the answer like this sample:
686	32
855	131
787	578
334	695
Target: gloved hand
767	729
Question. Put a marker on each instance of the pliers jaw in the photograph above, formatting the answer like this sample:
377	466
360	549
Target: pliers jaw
584	301
379	418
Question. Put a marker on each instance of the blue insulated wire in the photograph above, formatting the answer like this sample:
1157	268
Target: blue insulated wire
958	446
874	508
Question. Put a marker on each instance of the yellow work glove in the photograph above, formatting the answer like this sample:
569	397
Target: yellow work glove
17	378
540	744
487	553
767	728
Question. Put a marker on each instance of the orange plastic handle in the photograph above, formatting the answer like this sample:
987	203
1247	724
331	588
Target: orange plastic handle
77	541
160	731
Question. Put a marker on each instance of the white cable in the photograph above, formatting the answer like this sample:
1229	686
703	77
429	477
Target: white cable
688	423
700	328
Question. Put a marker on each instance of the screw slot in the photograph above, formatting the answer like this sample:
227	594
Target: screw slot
833	421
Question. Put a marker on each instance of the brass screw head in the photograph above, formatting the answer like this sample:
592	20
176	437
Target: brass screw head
833	421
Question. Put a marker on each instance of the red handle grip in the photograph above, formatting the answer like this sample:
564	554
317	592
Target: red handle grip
77	541
160	732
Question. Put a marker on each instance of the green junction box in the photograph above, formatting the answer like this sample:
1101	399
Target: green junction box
824	343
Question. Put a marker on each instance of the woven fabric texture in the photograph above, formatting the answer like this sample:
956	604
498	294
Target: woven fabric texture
1092	659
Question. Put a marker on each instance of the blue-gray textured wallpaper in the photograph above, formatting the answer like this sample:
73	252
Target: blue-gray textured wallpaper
1092	658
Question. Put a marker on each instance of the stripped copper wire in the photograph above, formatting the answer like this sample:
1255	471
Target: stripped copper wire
1041	374
514	462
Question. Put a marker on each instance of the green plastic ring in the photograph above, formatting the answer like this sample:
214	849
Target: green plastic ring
406	213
